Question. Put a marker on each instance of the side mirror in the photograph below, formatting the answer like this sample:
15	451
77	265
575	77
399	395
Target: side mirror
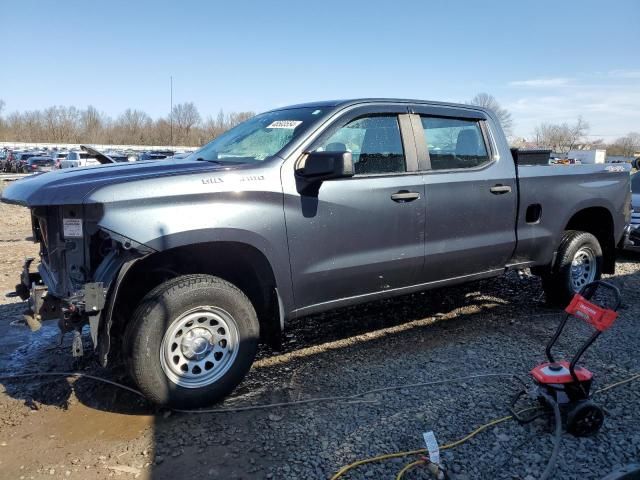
316	167
320	166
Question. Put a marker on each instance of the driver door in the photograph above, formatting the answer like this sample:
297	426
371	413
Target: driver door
360	236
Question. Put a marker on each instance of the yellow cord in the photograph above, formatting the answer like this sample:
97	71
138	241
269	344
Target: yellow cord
476	431
386	456
408	467
617	384
353	465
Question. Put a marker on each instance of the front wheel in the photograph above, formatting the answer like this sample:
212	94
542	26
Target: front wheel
191	341
578	262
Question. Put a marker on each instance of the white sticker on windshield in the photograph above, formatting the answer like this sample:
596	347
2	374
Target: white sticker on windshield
285	124
72	227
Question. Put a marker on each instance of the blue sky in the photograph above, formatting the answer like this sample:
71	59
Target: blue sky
543	60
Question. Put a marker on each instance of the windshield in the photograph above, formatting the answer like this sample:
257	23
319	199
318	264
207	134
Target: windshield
635	183
260	137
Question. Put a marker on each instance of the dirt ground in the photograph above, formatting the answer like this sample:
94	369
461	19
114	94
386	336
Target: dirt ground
81	429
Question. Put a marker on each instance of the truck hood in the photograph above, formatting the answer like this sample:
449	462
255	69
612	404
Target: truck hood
71	186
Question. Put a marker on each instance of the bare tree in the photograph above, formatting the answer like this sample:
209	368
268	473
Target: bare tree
629	144
60	124
488	101
2	127
214	127
185	117
576	132
131	125
92	123
561	137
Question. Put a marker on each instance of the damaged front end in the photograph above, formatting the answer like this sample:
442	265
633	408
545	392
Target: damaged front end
80	264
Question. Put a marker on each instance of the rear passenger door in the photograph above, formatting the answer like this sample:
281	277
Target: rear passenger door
365	234
470	194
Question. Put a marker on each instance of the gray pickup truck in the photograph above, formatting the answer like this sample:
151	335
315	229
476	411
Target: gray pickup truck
183	266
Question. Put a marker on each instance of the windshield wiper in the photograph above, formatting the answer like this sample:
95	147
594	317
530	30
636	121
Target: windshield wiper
200	159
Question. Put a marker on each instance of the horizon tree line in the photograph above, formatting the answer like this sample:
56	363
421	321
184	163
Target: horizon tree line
184	126
60	124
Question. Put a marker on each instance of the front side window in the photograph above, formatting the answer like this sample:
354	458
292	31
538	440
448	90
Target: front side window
374	142
454	143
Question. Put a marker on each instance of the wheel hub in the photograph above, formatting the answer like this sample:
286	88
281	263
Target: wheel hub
197	343
583	268
199	347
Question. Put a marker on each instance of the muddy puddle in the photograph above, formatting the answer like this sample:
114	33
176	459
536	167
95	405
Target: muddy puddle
80	424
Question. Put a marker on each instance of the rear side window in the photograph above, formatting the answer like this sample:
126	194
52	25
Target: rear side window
374	142
454	143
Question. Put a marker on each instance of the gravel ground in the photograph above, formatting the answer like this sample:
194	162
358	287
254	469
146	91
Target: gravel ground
82	429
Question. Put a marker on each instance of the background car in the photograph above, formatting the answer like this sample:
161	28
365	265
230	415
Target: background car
21	159
118	156
58	157
633	238
78	159
38	164
8	161
155	155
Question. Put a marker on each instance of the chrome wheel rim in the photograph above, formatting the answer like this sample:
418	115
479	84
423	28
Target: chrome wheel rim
583	268
199	347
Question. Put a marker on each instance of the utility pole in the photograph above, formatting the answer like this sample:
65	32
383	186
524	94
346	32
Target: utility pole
171	111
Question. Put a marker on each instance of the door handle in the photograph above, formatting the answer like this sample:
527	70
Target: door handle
500	189
404	196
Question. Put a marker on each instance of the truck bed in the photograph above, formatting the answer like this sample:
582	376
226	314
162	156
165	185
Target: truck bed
560	191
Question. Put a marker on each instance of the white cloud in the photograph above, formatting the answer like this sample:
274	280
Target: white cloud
611	110
607	100
624	73
541	82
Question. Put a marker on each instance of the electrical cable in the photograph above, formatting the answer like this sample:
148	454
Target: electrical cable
386	456
72	374
268	405
408	467
348	397
617	384
547	472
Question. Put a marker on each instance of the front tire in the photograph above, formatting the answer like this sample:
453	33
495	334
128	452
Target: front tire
578	262
191	341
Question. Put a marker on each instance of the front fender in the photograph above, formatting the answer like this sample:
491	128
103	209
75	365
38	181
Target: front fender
277	255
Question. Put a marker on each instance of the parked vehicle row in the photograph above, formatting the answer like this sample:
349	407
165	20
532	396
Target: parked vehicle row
20	162
16	161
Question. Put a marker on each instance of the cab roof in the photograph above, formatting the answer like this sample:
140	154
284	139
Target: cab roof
357	101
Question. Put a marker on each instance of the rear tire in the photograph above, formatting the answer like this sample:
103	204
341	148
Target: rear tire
578	262
191	341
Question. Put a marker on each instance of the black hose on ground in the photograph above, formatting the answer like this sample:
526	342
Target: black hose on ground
557	437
